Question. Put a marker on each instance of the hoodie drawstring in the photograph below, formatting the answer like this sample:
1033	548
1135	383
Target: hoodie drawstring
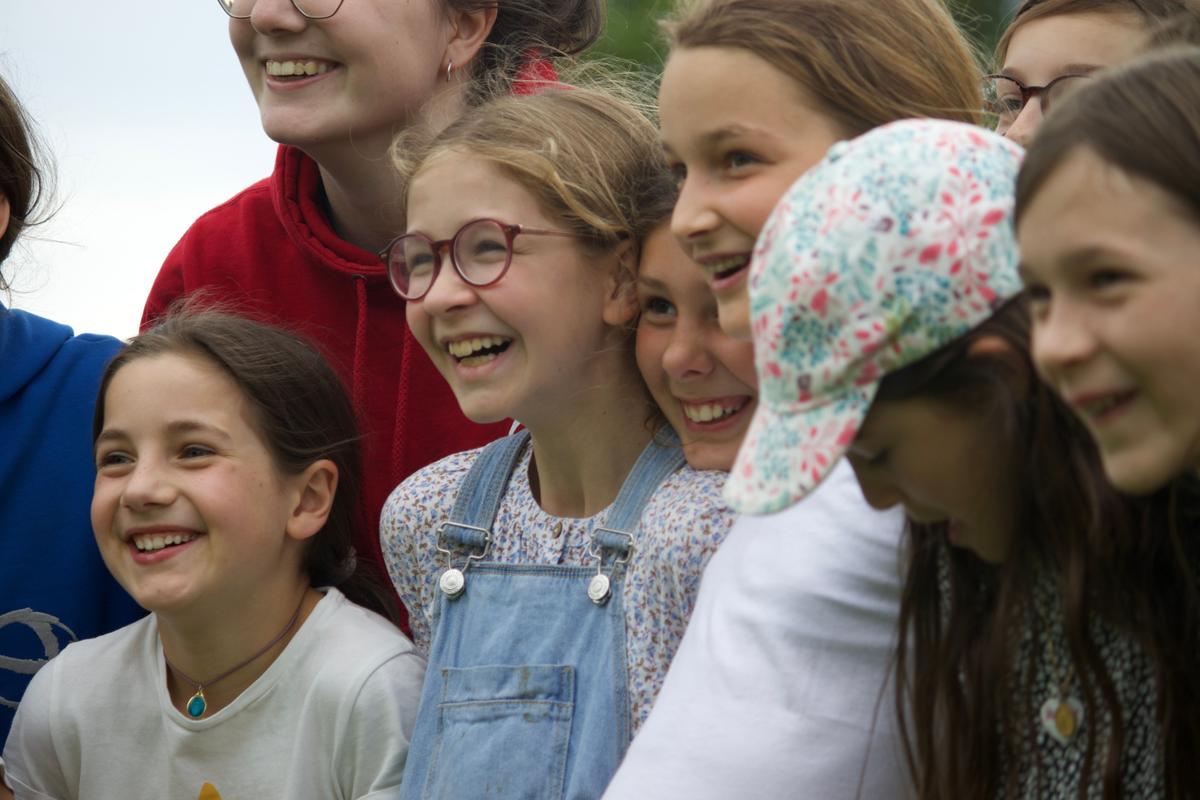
360	344
406	358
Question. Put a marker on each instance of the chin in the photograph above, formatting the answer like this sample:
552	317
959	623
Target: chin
1140	478
707	455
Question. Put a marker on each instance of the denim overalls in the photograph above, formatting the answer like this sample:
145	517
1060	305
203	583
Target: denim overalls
526	693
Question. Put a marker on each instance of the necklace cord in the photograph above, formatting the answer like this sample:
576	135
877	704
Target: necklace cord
201	686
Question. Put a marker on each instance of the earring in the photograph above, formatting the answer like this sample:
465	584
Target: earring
449	69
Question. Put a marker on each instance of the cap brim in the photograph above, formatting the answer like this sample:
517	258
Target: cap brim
785	456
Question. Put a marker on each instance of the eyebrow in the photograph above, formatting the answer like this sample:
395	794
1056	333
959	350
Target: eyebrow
652	283
1075	259
1075	68
178	427
731	132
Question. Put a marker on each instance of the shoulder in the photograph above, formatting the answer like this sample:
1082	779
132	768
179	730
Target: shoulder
115	661
225	227
251	200
689	497
429	490
349	635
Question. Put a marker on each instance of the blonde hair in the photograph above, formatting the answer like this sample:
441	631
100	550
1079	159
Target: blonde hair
590	156
866	62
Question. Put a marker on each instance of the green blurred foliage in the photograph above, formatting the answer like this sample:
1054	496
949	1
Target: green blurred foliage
632	32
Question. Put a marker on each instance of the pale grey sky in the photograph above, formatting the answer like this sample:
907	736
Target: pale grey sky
150	123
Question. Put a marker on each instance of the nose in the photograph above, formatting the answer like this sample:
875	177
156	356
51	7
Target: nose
448	291
693	216
147	487
1026	124
1061	339
275	17
688	354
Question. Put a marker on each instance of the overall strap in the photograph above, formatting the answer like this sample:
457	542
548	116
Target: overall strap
480	493
662	457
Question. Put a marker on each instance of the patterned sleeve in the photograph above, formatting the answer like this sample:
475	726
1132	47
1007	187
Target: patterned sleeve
407	534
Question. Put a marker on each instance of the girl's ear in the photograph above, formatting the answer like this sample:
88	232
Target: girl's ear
620	297
5	211
469	30
317	486
992	346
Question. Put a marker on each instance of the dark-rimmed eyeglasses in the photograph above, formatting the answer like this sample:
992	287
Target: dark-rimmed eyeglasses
312	9
481	252
1005	97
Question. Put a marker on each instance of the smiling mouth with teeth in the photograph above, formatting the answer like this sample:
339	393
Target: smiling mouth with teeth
151	543
297	69
713	412
1101	407
477	351
725	267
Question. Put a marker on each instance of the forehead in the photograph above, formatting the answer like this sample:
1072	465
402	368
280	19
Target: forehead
706	90
1044	48
455	186
664	260
171	384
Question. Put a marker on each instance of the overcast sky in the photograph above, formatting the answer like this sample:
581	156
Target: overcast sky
150	123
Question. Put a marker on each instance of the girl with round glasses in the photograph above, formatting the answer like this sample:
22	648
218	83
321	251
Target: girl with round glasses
1052	46
550	575
335	82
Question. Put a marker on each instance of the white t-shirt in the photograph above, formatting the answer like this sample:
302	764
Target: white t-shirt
330	718
781	685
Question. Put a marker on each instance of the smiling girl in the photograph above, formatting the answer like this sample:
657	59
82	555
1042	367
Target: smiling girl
1052	46
777	683
701	379
227	469
754	93
550	574
335	81
1109	228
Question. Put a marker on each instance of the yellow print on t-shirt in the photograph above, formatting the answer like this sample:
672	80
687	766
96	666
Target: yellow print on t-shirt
209	792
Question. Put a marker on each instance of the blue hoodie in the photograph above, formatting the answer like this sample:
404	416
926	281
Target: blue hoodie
54	588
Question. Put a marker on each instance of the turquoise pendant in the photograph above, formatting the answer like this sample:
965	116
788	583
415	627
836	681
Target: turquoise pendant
197	705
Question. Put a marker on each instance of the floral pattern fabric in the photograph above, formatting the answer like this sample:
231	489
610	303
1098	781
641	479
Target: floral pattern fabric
897	243
682	525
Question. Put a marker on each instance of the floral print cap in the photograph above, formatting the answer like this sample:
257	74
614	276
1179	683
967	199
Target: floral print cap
896	243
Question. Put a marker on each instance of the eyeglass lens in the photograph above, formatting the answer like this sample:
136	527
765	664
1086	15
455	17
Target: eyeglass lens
480	250
1006	97
313	9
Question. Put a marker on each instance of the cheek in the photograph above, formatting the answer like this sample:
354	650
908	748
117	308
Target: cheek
651	345
419	324
737	357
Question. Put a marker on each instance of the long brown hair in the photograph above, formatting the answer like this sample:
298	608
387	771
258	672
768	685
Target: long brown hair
300	409
959	683
866	62
22	181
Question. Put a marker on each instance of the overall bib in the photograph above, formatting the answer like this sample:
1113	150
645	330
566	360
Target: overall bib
526	693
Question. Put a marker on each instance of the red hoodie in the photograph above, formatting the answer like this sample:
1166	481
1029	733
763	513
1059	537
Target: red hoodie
270	253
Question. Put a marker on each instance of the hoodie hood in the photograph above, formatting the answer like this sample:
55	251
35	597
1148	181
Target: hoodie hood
27	344
299	200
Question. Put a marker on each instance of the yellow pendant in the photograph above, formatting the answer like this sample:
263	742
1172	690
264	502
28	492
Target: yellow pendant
1064	720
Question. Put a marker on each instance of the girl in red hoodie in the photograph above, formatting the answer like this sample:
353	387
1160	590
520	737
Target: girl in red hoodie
335	82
